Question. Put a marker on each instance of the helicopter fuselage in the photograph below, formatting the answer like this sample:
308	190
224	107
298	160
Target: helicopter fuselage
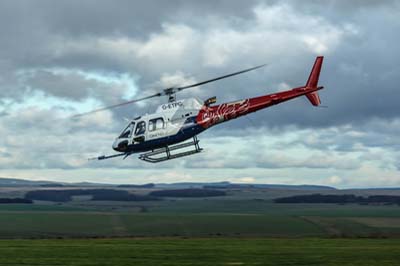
181	120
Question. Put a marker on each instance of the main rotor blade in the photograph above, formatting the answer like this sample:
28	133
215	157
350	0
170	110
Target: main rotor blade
168	91
118	105
222	77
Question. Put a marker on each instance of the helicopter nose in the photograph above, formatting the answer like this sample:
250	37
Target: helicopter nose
119	145
115	145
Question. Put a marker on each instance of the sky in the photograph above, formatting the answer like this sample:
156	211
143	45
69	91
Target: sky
59	58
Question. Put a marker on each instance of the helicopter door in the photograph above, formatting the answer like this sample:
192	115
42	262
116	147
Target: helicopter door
140	132
156	128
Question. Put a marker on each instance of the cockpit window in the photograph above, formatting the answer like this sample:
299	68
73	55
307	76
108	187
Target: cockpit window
140	128
155	124
127	131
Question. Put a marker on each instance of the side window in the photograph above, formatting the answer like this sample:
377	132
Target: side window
152	125
140	128
156	124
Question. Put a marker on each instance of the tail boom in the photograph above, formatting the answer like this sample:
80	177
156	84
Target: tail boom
212	115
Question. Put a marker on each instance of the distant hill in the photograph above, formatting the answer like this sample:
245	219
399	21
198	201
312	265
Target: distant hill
226	185
149	185
182	185
188	193
14	182
271	186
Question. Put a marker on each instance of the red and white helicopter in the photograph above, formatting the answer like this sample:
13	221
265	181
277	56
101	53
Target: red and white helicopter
161	136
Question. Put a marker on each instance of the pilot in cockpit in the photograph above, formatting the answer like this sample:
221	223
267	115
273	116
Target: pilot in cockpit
141	128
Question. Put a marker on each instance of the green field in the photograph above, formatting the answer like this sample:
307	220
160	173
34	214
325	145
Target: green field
205	251
242	229
203	219
69	224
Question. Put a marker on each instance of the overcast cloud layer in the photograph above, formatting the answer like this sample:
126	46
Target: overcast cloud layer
58	58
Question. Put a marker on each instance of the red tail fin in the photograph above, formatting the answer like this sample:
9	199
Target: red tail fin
312	81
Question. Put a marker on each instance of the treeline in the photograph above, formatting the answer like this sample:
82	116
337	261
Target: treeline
66	195
188	193
340	199
14	200
52	185
97	194
149	185
123	196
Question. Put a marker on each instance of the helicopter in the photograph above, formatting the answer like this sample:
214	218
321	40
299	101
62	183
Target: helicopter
163	135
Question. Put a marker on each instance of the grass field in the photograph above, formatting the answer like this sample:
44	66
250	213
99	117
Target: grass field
205	251
89	224
200	218
266	207
222	231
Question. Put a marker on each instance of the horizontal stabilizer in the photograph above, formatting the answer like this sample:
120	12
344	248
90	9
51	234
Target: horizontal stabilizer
314	99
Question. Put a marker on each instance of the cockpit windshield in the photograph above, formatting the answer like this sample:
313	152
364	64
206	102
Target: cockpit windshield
127	133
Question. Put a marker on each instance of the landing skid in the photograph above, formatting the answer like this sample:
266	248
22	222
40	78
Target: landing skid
104	157
164	154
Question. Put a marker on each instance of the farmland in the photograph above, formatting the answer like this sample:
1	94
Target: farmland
198	218
244	227
201	251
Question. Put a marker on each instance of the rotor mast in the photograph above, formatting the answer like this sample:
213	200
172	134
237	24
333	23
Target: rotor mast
171	93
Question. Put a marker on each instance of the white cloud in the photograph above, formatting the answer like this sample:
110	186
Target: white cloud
178	78
246	179
276	30
78	85
335	180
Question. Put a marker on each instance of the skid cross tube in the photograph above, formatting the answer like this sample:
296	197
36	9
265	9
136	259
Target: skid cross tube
149	156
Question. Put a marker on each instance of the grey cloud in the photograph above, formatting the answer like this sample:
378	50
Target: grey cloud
255	152
69	86
316	161
52	28
374	134
152	39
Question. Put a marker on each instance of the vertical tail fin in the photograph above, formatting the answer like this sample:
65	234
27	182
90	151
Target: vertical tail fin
312	81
